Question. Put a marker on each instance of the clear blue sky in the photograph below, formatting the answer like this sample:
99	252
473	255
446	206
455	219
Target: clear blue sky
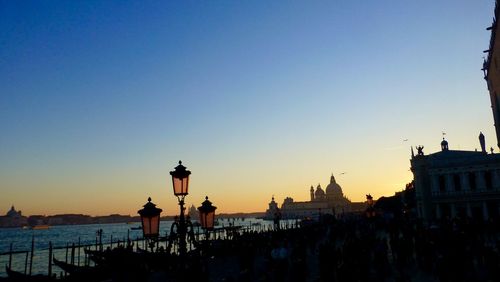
100	99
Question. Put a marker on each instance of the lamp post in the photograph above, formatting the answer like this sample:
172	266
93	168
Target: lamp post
207	216
370	211
150	218
180	181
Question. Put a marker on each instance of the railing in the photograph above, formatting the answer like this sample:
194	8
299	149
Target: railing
34	261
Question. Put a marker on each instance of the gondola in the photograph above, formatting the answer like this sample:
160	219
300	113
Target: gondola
82	273
18	276
71	268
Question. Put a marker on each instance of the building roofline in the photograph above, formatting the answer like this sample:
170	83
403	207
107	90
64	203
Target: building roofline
493	28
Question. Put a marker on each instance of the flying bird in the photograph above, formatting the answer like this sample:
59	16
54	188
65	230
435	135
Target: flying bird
342	173
404	140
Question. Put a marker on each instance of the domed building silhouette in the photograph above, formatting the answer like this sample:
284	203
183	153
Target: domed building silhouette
13	218
329	201
335	197
273	210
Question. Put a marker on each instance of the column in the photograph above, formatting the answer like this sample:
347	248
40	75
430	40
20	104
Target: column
464	180
438	211
419	211
434	184
495	174
469	210
481	184
485	211
453	211
448	180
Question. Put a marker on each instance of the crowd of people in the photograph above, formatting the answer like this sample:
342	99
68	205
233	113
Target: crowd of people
356	248
351	248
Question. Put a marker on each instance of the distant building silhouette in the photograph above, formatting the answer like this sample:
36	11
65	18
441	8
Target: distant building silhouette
13	218
272	210
329	201
193	213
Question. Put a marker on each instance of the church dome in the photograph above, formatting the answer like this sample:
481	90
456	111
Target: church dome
12	212
333	189
319	194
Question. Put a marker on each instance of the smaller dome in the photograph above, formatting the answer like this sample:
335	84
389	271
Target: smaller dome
319	194
12	212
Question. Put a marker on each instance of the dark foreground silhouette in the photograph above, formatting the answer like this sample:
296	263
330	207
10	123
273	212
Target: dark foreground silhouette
353	248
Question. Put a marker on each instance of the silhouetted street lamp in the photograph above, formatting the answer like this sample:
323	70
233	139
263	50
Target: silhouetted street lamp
370	210
207	215
180	181
150	218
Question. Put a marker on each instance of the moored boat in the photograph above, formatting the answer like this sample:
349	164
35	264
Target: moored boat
18	276
40	227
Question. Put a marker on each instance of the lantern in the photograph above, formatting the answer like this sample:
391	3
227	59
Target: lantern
180	180
207	214
150	218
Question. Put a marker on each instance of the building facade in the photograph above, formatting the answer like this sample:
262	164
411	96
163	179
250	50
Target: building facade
452	183
491	69
463	184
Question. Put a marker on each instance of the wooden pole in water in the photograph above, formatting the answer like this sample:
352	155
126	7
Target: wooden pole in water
50	259
10	257
78	259
85	263
66	259
100	239
26	263
73	253
32	252
111	243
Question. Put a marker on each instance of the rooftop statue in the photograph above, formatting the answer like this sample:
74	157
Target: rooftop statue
420	150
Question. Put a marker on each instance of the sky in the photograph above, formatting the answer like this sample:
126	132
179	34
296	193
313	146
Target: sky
99	100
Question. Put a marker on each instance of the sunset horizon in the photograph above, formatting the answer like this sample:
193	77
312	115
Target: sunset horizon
100	100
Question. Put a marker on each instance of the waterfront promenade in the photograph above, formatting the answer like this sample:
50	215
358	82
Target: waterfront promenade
349	249
63	237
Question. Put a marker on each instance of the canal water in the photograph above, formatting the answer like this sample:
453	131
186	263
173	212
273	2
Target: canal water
65	235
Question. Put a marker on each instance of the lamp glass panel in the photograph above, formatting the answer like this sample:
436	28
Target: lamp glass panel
209	220
154	225
203	220
180	186
146	226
